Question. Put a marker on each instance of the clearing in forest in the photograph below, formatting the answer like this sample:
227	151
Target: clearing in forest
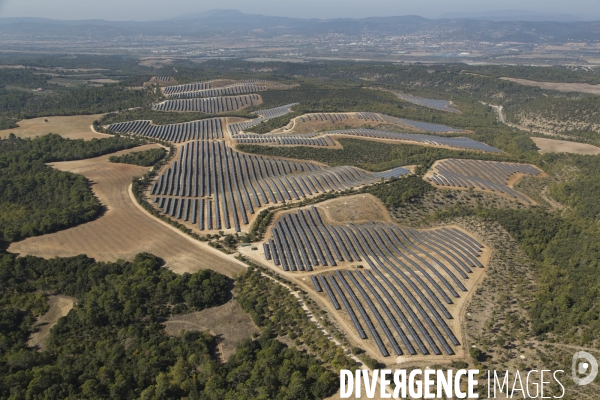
58	306
72	127
563	146
229	323
125	229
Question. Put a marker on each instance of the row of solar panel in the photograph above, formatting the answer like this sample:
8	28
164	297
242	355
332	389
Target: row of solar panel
206	129
211	105
478	174
404	260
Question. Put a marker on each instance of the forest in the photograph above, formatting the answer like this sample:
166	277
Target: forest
36	199
146	158
113	345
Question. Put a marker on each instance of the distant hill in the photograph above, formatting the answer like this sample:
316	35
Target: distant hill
506	26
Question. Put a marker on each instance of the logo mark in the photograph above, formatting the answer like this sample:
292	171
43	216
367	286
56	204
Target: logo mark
579	368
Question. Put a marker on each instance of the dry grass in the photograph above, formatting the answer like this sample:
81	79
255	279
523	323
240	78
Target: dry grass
563	146
228	322
59	306
357	208
125	229
559	86
73	127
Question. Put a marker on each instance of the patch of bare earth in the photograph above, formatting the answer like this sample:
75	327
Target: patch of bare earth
229	323
559	86
59	306
73	127
125	229
357	208
562	146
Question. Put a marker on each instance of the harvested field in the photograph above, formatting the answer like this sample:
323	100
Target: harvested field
125	229
357	208
563	146
228	322
59	306
72	127
559	86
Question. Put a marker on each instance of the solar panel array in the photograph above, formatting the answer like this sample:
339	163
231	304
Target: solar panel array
211	105
162	78
266	114
238	88
307	139
401	299
217	188
331	117
478	174
205	129
424	126
314	139
443	105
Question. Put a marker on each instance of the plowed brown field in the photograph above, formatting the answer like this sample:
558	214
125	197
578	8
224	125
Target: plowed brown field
125	229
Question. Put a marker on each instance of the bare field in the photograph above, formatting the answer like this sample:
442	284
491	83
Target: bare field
228	322
561	87
72	127
564	146
358	208
125	229
59	306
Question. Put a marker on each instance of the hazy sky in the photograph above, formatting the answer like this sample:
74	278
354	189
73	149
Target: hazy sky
162	9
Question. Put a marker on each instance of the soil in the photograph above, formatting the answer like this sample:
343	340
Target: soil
59	306
559	86
563	146
125	229
228	322
357	208
72	127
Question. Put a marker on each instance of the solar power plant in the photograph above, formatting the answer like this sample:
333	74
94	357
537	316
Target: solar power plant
307	139
331	117
238	88
216	187
162	78
424	126
315	139
206	129
443	105
481	175
266	114
275	112
210	105
400	299
188	87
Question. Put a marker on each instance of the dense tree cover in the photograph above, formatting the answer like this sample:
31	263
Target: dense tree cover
400	190
37	199
146	158
542	74
582	193
23	78
276	312
370	155
59	62
113	344
86	100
